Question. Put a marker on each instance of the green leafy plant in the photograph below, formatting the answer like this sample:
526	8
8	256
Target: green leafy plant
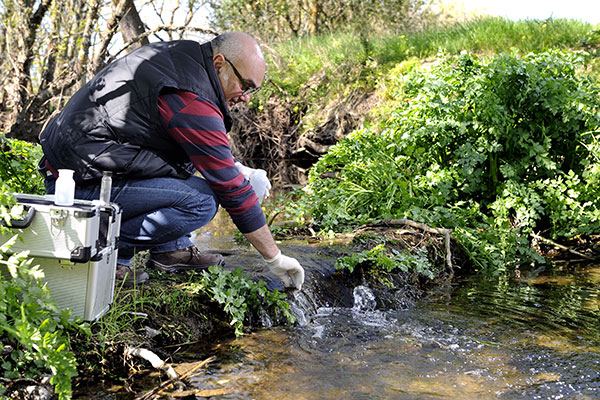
18	166
493	148
379	261
18	174
33	331
239	296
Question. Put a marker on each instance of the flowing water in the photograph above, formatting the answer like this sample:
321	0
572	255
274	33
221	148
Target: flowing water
535	338
532	337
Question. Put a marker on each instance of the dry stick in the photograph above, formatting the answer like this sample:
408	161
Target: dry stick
153	359
560	246
180	344
448	254
168	383
201	364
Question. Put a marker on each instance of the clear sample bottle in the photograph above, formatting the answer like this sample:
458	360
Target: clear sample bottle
105	186
64	190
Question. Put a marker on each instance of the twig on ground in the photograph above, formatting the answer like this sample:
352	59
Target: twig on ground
186	375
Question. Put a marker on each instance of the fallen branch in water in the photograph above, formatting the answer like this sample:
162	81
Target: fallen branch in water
560	246
153	359
426	228
156	363
415	224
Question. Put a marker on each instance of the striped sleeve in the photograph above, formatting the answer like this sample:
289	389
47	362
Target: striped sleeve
196	124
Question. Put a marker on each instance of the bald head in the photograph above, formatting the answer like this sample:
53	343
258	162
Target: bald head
240	63
237	46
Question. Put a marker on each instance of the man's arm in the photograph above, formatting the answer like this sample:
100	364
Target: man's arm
197	126
263	241
286	268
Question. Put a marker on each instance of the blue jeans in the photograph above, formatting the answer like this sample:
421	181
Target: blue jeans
159	214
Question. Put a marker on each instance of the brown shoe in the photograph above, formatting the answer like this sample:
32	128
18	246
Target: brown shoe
186	259
130	276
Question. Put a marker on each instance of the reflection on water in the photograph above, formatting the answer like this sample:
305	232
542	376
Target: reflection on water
219	234
533	338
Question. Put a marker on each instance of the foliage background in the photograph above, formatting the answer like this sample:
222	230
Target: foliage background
495	147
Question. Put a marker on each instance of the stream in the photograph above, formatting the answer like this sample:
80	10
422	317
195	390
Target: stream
535	337
532	337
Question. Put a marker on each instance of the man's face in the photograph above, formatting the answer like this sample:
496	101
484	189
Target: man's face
240	78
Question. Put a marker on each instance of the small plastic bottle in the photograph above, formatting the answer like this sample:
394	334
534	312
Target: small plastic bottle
64	190
105	187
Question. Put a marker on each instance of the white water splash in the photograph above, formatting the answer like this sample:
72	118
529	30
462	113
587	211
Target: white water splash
364	310
364	299
319	329
297	308
265	320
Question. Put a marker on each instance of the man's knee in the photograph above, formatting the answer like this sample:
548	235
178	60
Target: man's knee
201	200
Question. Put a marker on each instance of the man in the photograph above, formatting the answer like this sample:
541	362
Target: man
153	118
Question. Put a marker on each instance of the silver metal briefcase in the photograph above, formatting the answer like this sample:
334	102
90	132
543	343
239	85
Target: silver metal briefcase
76	247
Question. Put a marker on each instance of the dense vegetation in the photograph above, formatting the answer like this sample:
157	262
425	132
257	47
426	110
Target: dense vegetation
495	148
318	85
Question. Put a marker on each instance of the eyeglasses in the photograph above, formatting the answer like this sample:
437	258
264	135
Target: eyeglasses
247	89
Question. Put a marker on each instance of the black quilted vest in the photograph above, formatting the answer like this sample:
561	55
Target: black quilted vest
112	123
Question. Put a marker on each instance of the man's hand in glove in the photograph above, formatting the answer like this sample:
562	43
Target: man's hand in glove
287	269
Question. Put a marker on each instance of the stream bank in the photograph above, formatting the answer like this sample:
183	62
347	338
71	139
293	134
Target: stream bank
178	327
181	320
533	337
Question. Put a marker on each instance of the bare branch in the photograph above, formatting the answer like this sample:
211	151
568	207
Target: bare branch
172	21
560	246
159	28
111	27
91	18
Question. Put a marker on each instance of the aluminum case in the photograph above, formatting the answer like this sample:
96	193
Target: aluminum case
76	247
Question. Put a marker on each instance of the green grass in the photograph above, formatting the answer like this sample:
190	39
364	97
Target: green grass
314	72
494	35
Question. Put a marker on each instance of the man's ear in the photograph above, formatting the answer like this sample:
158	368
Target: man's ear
218	61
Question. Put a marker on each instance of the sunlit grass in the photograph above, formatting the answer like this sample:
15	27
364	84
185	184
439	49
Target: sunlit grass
499	35
320	69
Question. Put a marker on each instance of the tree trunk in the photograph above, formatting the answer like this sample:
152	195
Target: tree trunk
21	79
315	17
132	26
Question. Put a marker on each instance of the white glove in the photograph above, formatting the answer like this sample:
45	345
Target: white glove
287	269
246	171
258	179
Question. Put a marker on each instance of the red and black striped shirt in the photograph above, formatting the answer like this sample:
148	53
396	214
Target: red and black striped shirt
197	125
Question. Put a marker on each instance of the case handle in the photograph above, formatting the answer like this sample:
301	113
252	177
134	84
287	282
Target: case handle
22	223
